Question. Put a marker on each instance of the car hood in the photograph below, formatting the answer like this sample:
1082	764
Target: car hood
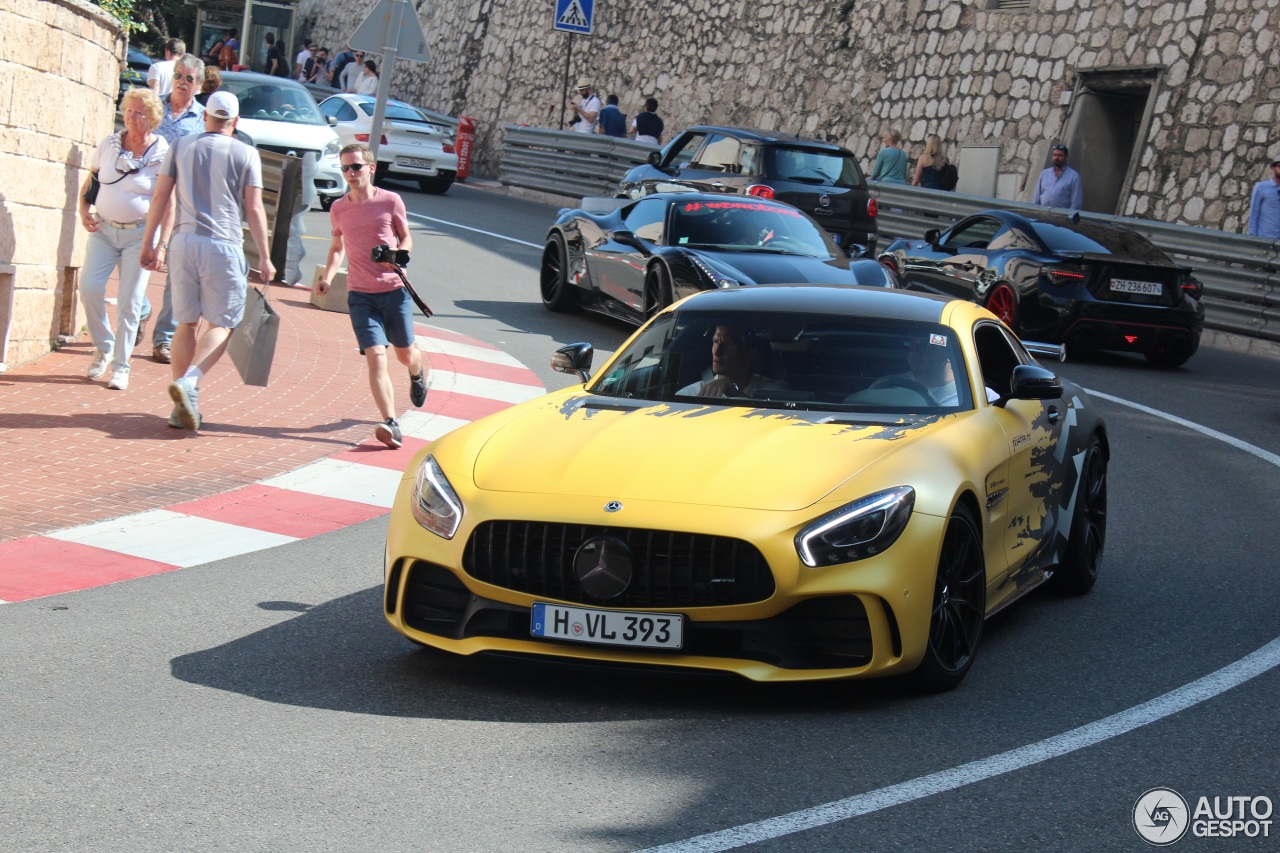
770	268
743	458
280	134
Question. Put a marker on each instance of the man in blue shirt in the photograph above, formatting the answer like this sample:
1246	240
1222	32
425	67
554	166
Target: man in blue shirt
1059	185
1264	205
612	121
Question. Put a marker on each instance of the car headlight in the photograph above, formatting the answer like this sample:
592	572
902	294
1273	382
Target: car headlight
718	279
857	530
435	504
333	148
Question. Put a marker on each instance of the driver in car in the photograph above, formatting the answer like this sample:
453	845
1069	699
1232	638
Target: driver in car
929	372
735	361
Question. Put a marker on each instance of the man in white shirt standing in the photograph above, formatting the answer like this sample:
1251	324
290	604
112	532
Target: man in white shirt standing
588	109
160	75
300	62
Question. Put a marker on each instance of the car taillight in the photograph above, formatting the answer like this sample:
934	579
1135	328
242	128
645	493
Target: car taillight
1063	275
448	148
872	207
1193	287
364	137
760	191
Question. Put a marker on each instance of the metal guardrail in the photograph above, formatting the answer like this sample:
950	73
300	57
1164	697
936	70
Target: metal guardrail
1241	275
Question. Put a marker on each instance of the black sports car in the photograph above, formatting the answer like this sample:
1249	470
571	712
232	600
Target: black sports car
1086	283
630	258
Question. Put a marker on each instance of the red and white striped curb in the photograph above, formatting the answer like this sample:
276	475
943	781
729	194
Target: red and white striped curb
468	379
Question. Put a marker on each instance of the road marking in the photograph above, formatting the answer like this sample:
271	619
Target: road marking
476	230
1189	695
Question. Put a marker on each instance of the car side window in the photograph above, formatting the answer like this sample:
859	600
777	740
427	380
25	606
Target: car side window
645	218
720	154
996	356
975	234
749	160
345	112
1012	237
682	152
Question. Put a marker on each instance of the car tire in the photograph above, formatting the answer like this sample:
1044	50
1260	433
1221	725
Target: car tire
326	202
657	290
1170	356
959	606
1003	302
1079	569
435	186
557	293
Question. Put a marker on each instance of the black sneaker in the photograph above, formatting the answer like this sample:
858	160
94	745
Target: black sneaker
418	389
388	433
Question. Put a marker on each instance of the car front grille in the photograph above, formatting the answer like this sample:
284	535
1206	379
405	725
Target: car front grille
291	150
669	569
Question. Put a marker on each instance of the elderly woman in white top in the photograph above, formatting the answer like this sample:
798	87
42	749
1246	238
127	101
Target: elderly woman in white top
125	165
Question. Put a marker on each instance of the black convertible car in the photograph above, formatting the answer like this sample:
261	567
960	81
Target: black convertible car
630	259
1086	283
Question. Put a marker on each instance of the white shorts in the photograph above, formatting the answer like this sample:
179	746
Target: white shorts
209	280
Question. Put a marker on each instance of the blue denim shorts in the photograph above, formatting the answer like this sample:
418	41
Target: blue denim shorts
381	318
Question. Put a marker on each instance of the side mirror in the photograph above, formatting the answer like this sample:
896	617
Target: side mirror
629	238
857	250
574	358
332	120
1030	382
654	158
931	236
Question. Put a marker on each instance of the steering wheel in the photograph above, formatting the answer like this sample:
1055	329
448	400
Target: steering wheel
779	240
908	385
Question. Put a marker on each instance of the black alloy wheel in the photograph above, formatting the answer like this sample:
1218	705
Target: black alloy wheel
435	186
959	606
557	293
657	290
1079	569
1170	356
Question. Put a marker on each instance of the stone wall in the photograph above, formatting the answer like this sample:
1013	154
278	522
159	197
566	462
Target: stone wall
843	70
59	71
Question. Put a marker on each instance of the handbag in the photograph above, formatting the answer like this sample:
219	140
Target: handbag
253	343
90	194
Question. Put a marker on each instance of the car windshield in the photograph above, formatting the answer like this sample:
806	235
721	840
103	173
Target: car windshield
1095	238
851	367
747	226
271	101
813	166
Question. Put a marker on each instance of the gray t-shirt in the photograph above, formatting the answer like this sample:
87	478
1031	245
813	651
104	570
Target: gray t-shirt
210	173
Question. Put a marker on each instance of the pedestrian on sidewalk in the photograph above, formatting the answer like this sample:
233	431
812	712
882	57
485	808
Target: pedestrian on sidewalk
379	305
183	116
1059	185
125	167
1264	205
890	166
214	182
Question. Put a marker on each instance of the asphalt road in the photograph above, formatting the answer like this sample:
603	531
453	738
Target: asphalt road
262	703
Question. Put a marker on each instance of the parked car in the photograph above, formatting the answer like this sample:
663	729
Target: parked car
134	71
815	526
280	115
820	178
1088	283
633	258
412	145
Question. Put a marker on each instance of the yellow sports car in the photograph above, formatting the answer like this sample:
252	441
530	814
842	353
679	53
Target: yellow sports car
784	482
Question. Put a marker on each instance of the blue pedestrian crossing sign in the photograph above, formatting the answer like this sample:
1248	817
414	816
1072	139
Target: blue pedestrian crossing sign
574	16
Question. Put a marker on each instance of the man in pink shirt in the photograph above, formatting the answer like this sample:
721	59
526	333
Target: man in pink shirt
380	307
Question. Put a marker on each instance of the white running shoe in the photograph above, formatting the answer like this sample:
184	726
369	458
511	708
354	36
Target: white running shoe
119	380
98	366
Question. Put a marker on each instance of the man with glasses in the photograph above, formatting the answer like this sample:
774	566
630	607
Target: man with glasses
351	73
214	182
587	110
1264	205
183	116
380	307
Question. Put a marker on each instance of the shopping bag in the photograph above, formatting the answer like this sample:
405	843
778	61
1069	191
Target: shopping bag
253	342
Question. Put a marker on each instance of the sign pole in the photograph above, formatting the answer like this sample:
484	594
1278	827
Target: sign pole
568	56
384	78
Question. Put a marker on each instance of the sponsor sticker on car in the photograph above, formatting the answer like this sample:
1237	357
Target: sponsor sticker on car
607	627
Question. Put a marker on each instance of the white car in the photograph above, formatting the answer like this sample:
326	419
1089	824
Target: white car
281	115
413	146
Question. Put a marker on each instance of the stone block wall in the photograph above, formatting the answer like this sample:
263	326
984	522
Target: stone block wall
844	70
59	72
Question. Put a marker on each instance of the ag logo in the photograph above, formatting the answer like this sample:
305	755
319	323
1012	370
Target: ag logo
1161	817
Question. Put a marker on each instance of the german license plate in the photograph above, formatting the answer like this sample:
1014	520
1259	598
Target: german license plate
415	162
608	627
1146	288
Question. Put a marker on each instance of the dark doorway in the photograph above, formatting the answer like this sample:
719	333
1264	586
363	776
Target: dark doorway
1110	114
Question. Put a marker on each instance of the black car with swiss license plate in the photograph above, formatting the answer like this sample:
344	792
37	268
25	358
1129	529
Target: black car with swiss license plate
820	178
632	258
1090	284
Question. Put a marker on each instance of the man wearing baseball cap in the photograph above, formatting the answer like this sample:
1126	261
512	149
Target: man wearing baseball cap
1059	185
215	183
588	109
1264	205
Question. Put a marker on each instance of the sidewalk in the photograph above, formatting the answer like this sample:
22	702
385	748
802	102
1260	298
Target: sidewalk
75	453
